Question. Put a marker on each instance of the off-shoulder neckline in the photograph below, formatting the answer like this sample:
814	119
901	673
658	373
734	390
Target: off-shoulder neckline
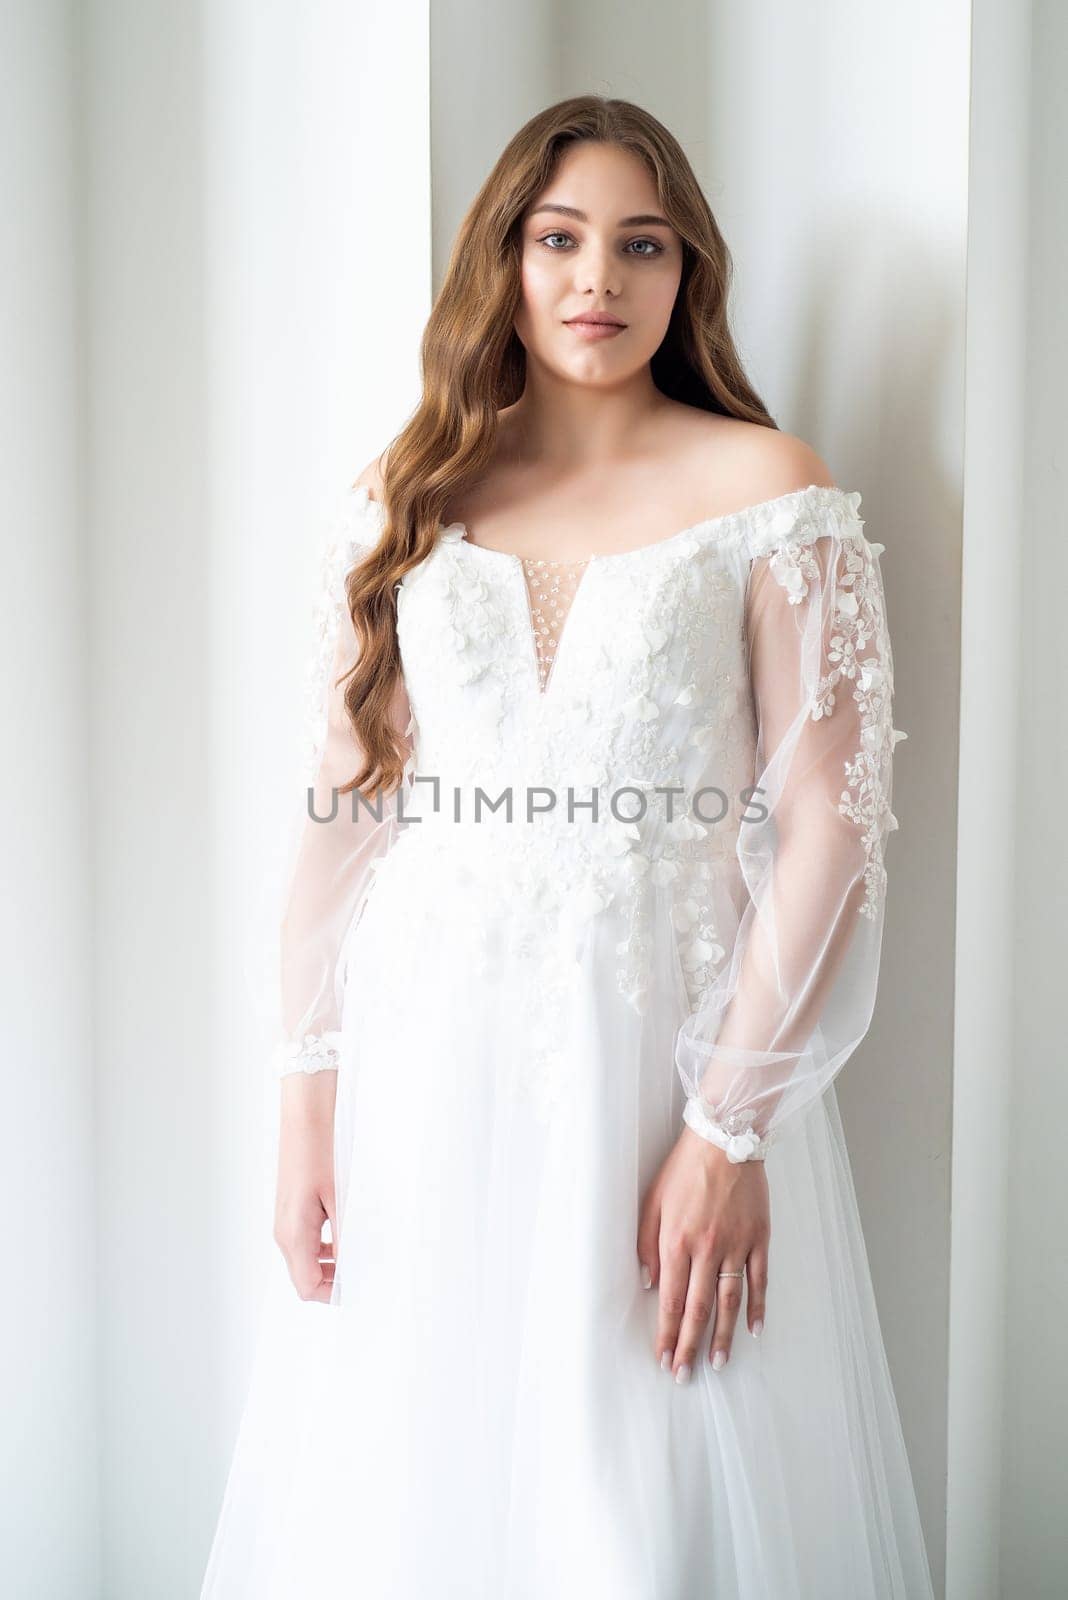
760	511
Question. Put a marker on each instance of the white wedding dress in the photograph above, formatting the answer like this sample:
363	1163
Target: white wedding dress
521	1008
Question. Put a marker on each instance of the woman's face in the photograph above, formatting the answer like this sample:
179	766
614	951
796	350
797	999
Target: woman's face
596	241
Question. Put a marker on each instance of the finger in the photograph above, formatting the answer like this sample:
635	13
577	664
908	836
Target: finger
321	1293
305	1267
757	1272
648	1242
728	1301
700	1306
674	1282
314	1283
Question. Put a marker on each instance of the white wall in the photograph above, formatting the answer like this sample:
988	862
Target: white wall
258	276
233	204
49	1525
155	880
983	1292
832	142
1034	1554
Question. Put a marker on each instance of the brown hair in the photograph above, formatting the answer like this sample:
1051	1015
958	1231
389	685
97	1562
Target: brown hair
473	364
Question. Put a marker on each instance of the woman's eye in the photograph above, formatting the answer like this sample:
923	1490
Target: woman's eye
656	248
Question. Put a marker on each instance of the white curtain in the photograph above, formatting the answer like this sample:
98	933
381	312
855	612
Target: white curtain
258	204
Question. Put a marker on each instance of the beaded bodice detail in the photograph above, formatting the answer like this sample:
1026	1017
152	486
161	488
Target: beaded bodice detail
551	586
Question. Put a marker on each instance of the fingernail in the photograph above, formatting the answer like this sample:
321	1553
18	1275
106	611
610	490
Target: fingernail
758	1328
647	1277
683	1374
719	1360
666	1359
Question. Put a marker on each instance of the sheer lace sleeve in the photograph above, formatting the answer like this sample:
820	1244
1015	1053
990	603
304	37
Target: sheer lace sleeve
340	839
797	996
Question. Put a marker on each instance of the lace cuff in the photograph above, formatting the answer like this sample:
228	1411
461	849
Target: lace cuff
733	1135
315	1052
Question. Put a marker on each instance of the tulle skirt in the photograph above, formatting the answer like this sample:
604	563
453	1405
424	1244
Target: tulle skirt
478	1414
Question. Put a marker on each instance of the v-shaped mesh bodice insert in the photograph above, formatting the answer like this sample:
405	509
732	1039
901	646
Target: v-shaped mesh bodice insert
551	588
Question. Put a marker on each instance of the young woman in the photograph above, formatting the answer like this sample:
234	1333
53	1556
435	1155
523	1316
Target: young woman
584	920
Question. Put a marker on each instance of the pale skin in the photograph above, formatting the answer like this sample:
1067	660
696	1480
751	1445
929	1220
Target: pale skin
593	458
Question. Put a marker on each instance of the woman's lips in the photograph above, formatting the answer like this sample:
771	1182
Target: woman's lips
595	330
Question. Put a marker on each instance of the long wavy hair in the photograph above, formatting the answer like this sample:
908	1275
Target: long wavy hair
473	365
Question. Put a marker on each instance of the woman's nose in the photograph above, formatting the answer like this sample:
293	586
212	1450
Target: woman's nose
598	271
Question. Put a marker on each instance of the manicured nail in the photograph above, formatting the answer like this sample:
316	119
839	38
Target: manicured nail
647	1277
758	1328
718	1360
683	1374
666	1359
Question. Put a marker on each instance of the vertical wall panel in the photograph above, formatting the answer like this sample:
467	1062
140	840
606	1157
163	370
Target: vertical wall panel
48	1398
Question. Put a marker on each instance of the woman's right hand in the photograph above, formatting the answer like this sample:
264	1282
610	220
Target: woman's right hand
304	1198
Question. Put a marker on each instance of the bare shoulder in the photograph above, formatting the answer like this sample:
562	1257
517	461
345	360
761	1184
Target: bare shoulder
781	462
371	478
747	462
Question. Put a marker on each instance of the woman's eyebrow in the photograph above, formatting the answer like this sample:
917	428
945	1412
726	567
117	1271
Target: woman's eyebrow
644	221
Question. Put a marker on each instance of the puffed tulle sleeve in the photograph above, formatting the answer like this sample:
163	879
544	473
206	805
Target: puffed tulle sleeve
338	839
797	995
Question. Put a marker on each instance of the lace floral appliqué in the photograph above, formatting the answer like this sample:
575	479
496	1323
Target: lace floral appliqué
315	1052
858	651
356	529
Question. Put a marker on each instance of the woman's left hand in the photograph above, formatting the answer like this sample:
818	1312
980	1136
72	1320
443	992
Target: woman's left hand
703	1215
